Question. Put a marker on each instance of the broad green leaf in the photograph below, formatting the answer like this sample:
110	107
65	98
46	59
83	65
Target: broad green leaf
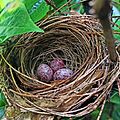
15	20
36	8
3	101
115	98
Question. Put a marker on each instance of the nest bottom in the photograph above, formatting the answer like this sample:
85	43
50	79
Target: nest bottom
79	42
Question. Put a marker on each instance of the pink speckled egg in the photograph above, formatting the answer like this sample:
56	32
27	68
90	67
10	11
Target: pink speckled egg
44	73
62	74
57	64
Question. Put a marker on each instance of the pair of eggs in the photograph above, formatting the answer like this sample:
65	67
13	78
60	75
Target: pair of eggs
54	71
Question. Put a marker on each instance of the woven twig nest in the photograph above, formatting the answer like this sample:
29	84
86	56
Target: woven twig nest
77	40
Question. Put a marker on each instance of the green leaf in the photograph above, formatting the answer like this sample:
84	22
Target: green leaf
59	3
3	101
3	3
116	3
106	114
115	98
116	112
36	8
95	114
15	20
116	12
77	6
2	112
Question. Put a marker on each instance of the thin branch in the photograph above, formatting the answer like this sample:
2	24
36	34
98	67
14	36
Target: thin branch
102	9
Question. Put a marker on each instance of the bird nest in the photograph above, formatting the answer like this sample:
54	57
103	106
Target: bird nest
79	42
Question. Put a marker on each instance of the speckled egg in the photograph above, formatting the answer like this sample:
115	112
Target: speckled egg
44	73
62	74
57	64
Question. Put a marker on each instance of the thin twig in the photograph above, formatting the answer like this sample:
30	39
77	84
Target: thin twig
101	110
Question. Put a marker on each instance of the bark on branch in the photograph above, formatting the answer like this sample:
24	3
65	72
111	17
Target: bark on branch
103	9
